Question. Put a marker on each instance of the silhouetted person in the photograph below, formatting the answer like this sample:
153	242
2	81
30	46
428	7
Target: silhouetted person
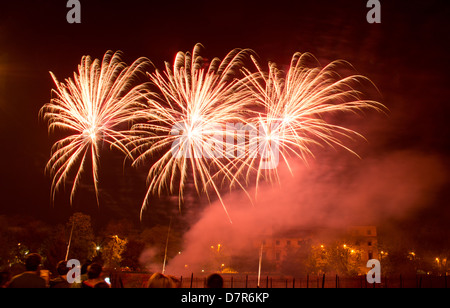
158	280
61	280
30	278
214	281
94	281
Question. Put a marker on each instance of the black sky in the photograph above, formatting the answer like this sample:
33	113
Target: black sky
406	56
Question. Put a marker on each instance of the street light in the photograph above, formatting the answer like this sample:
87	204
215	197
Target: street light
438	263
412	255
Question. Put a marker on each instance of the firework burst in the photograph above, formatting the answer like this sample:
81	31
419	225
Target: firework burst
90	108
212	124
291	111
186	119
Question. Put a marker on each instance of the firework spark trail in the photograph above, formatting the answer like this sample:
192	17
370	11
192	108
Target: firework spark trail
294	105
196	102
90	107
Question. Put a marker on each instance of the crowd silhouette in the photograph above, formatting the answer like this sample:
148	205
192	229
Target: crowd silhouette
91	276
34	276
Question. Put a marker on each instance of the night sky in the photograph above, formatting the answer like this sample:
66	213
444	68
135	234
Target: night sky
406	56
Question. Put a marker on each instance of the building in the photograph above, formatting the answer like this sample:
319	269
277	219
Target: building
365	239
357	244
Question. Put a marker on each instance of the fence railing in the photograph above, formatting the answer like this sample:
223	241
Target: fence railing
139	280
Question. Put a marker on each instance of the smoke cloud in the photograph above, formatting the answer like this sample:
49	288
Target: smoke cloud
332	192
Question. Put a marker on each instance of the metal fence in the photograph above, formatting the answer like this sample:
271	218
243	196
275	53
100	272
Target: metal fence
139	280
